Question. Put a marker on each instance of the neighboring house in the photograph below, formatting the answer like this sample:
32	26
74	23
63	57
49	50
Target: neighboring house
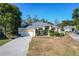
31	29
69	28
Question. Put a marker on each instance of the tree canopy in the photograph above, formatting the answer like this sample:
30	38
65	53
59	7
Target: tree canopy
74	21
75	16
75	13
10	17
30	20
66	23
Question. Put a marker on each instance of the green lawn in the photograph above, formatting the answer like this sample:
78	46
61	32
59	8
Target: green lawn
3	41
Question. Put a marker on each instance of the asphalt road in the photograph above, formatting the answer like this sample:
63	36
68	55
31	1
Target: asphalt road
74	36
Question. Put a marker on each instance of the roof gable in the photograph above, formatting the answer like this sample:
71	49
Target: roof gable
38	24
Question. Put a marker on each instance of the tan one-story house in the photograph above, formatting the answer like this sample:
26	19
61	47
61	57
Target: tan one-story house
32	29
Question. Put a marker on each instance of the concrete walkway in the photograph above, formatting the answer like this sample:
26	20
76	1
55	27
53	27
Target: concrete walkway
16	47
74	36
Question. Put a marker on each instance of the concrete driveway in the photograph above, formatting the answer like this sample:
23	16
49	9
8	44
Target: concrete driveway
16	47
74	36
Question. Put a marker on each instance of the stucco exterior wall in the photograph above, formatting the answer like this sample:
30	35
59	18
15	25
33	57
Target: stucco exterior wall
32	33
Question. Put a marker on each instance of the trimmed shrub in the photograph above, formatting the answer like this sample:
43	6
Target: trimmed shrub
77	26
61	34
51	33
56	34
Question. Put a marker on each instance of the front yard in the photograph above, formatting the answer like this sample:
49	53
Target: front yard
53	46
3	41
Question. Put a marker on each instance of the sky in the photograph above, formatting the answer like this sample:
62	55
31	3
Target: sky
49	11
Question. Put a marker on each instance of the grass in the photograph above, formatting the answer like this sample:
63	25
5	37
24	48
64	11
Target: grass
53	46
3	41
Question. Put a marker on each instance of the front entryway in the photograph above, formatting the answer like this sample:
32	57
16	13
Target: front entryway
42	31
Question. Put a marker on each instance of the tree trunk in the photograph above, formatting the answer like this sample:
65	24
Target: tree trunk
5	30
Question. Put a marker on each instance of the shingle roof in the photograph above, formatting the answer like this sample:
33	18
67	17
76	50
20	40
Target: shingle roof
38	24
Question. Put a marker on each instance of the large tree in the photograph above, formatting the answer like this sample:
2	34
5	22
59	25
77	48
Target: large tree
75	16
10	18
75	13
66	23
